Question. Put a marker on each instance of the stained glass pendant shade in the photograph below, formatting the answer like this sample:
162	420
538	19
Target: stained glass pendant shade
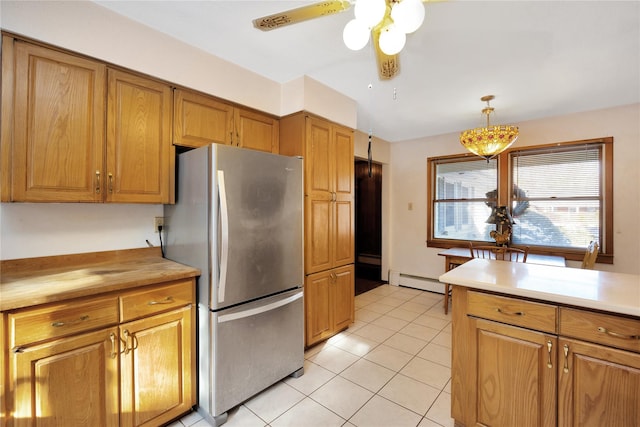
491	140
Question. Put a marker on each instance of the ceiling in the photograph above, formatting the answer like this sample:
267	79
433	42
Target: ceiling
539	58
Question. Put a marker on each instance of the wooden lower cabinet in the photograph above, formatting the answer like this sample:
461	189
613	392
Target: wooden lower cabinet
598	385
329	303
155	383
516	379
120	359
506	373
72	381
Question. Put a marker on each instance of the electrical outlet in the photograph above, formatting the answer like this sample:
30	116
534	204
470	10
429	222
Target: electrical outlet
158	222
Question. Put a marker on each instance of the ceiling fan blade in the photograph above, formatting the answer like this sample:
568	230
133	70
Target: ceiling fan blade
304	13
388	65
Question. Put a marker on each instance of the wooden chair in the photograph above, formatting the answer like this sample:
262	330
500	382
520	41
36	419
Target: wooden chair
590	256
447	289
488	252
499	252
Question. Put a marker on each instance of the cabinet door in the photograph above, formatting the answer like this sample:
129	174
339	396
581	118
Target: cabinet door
329	177
319	160
516	376
68	382
344	215
598	385
318	240
343	297
58	141
256	131
329	303
139	150
157	369
200	120
317	301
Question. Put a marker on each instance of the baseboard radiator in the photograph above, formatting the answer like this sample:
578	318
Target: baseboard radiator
418	282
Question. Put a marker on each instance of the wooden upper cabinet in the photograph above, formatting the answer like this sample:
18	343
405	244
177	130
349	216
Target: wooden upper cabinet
200	120
58	138
65	140
139	151
256	131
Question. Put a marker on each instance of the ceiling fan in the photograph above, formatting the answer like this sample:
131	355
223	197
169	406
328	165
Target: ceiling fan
385	21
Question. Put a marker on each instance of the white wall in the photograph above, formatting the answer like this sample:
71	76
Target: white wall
41	229
409	253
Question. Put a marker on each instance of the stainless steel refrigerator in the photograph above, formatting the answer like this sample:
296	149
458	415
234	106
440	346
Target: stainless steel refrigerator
238	217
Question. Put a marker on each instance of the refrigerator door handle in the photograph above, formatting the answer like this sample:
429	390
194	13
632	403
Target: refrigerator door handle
224	246
258	310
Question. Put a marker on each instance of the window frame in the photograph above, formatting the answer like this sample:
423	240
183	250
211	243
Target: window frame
504	198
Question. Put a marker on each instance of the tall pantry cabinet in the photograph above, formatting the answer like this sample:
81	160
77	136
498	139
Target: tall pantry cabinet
327	149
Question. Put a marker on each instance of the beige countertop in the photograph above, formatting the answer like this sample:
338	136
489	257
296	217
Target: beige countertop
32	281
599	290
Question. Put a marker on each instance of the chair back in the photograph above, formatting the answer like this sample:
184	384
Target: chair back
499	252
590	256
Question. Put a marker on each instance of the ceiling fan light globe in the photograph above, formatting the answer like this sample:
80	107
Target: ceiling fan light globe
392	40
355	35
370	12
408	15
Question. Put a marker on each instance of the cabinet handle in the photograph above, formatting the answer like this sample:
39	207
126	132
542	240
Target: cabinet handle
126	341
566	359
231	137
167	300
549	347
97	182
510	313
333	277
74	322
110	182
114	351
237	139
617	335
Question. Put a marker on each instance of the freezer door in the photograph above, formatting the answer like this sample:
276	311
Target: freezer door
257	225
254	346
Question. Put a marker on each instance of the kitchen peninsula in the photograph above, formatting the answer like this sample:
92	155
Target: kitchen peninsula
544	346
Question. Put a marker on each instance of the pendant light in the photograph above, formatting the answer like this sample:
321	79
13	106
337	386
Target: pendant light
491	140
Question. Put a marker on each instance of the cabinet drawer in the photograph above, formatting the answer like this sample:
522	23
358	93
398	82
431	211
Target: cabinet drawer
513	311
156	299
601	328
40	324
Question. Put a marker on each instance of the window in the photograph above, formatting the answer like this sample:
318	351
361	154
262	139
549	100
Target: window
463	198
560	197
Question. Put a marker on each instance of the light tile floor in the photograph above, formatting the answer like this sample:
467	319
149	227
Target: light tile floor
391	368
